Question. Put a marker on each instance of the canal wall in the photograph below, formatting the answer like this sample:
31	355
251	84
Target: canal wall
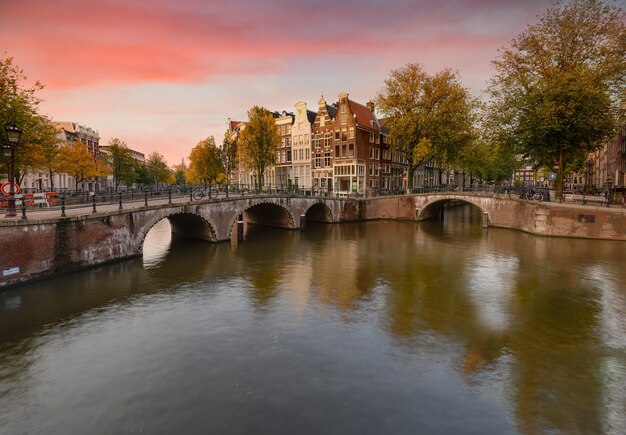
32	249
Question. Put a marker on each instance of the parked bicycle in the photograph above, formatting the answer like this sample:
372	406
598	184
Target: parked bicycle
534	195
210	192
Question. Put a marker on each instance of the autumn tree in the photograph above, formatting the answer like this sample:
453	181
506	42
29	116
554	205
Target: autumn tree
180	172
121	162
557	87
430	117
228	155
205	165
259	142
77	161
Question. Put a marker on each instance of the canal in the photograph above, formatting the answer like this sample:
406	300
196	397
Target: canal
364	328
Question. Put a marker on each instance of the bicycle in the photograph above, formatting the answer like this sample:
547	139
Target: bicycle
210	192
535	195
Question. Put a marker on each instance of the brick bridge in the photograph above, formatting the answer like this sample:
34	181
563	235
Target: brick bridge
40	247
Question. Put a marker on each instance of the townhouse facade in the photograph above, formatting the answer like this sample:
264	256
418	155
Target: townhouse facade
341	148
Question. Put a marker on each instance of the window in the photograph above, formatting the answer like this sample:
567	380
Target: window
343	118
351	150
371	169
372	137
336	150
317	163
327	159
343	136
371	153
337	134
377	153
327	138
351	133
322	121
343	151
343	108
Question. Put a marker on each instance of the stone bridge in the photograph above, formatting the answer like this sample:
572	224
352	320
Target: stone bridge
41	247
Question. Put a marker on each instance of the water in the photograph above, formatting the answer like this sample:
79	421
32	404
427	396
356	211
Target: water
384	327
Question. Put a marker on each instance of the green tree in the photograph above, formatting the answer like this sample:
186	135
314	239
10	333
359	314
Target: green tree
259	142
19	105
157	170
121	161
558	85
180	172
228	155
42	151
430	117
205	165
76	160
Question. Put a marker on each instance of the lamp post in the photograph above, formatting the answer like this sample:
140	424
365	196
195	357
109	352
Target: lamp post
13	137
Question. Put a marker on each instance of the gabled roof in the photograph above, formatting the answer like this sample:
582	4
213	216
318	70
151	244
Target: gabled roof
365	118
332	111
310	115
232	125
384	125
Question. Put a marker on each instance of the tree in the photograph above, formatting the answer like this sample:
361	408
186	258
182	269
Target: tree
42	151
228	155
205	165
430	117
19	105
76	160
558	85
121	161
157	169
259	142
180	172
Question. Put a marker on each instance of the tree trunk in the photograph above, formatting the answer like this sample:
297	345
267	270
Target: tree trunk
51	175
560	174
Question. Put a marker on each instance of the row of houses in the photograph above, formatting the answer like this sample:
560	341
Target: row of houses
344	147
341	147
68	132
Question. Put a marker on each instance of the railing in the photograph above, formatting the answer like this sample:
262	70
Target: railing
188	193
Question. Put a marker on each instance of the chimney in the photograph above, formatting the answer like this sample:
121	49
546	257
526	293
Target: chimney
370	105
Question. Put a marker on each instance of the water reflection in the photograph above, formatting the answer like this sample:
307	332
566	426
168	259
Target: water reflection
512	332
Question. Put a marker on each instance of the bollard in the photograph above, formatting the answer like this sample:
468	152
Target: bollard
93	203
227	189
169	196
23	209
120	207
63	205
191	195
145	198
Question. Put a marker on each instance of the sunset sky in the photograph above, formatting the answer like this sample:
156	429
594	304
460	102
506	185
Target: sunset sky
163	75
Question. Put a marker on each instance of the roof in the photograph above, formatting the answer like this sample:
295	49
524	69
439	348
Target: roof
384	125
332	111
232	125
310	115
364	116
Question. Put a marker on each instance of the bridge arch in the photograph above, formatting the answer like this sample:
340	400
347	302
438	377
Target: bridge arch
269	213
434	206
183	224
319	212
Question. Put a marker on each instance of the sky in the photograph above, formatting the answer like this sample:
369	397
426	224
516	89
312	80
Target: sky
163	75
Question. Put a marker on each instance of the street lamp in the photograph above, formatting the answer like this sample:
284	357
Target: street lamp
13	137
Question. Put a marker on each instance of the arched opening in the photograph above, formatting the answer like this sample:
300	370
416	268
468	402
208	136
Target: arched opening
452	209
319	212
269	214
191	226
452	218
171	230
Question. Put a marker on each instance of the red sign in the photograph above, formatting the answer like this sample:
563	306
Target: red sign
5	187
